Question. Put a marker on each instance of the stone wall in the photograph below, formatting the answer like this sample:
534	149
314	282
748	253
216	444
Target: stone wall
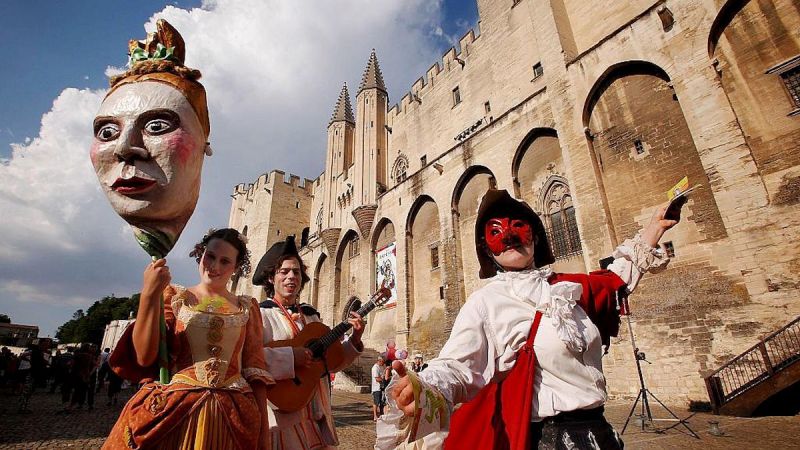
631	98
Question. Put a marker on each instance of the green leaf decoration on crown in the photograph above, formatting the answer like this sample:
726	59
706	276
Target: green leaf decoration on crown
161	53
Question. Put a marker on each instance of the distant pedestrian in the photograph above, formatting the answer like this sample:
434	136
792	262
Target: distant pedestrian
79	377
114	387
5	360
90	389
418	365
387	377
67	361
377	388
32	367
103	371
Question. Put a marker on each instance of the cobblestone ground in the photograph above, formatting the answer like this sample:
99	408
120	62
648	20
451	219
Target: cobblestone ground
46	428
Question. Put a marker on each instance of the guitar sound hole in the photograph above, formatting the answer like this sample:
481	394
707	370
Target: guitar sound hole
316	349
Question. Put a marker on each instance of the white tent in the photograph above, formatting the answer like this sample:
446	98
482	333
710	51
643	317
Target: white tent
114	332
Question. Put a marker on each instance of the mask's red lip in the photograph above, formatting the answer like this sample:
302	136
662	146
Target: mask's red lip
135	185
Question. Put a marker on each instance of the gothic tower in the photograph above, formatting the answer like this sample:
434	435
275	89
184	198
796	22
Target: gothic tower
370	140
340	155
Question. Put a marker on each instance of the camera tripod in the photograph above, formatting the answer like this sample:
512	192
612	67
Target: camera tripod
646	416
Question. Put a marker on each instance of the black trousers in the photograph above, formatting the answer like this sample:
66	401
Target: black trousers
581	429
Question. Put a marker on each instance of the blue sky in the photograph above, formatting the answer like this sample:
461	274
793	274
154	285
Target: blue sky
273	70
60	44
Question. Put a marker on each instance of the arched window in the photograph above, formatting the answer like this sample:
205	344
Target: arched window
319	221
353	305
559	218
399	169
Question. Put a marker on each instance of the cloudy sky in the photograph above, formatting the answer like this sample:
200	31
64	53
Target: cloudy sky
273	70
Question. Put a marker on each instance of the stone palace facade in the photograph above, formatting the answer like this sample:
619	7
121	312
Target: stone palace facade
589	111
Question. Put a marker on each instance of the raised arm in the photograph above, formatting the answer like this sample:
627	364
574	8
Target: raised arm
146	329
641	254
466	363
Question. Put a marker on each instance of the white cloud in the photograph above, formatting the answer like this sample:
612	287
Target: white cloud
112	71
273	71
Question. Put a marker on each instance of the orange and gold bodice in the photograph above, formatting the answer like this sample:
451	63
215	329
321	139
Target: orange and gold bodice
209	336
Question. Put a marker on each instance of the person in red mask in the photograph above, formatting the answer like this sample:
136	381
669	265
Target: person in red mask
524	358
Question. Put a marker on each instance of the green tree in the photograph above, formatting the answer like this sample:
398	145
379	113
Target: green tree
89	325
5	319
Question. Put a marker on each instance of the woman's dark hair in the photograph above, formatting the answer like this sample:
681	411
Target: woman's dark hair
231	236
270	271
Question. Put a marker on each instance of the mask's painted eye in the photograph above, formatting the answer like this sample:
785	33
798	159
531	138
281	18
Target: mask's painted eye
158	126
108	132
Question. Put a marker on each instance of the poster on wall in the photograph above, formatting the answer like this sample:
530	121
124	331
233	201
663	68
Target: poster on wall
386	267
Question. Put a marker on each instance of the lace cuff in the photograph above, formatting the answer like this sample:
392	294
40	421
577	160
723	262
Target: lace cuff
642	255
432	416
255	374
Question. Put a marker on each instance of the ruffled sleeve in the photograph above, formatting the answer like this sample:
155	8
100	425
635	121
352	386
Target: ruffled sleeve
634	257
466	364
254	367
427	428
123	359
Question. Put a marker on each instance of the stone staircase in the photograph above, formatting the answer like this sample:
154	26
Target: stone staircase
740	386
356	377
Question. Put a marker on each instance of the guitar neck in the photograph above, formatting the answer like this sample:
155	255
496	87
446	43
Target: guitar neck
339	330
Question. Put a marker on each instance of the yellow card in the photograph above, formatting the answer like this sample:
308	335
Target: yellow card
678	188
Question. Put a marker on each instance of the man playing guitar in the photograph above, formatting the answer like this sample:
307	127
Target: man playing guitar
283	275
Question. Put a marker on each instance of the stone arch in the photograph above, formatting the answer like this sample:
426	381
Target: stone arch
468	192
318	222
353	304
724	17
756	52
345	283
613	73
641	146
425	309
321	289
400	169
537	164
558	215
523	149
382	326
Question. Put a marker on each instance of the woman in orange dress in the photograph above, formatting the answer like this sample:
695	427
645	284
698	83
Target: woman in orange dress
217	393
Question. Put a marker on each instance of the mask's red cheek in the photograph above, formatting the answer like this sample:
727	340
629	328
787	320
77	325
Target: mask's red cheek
494	241
525	235
94	150
182	144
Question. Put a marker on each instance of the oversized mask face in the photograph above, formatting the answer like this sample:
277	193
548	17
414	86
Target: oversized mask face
504	233
148	155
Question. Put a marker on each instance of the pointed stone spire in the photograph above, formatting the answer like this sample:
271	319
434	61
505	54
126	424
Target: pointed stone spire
343	111
372	75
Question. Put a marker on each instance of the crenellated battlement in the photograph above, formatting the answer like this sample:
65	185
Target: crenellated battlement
272	178
452	58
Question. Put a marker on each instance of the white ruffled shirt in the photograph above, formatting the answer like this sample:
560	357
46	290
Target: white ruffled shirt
494	323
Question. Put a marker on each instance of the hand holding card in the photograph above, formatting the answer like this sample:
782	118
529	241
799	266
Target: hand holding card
678	196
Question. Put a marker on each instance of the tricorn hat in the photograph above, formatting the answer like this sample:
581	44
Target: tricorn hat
278	249
498	203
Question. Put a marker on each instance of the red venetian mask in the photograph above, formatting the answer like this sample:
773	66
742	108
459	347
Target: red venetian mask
502	233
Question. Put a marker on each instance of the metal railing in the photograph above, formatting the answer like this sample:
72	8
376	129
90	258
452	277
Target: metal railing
758	363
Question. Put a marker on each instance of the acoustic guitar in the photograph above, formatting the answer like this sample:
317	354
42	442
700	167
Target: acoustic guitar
293	394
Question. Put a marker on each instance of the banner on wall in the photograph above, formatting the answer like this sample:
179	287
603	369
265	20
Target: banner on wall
386	267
